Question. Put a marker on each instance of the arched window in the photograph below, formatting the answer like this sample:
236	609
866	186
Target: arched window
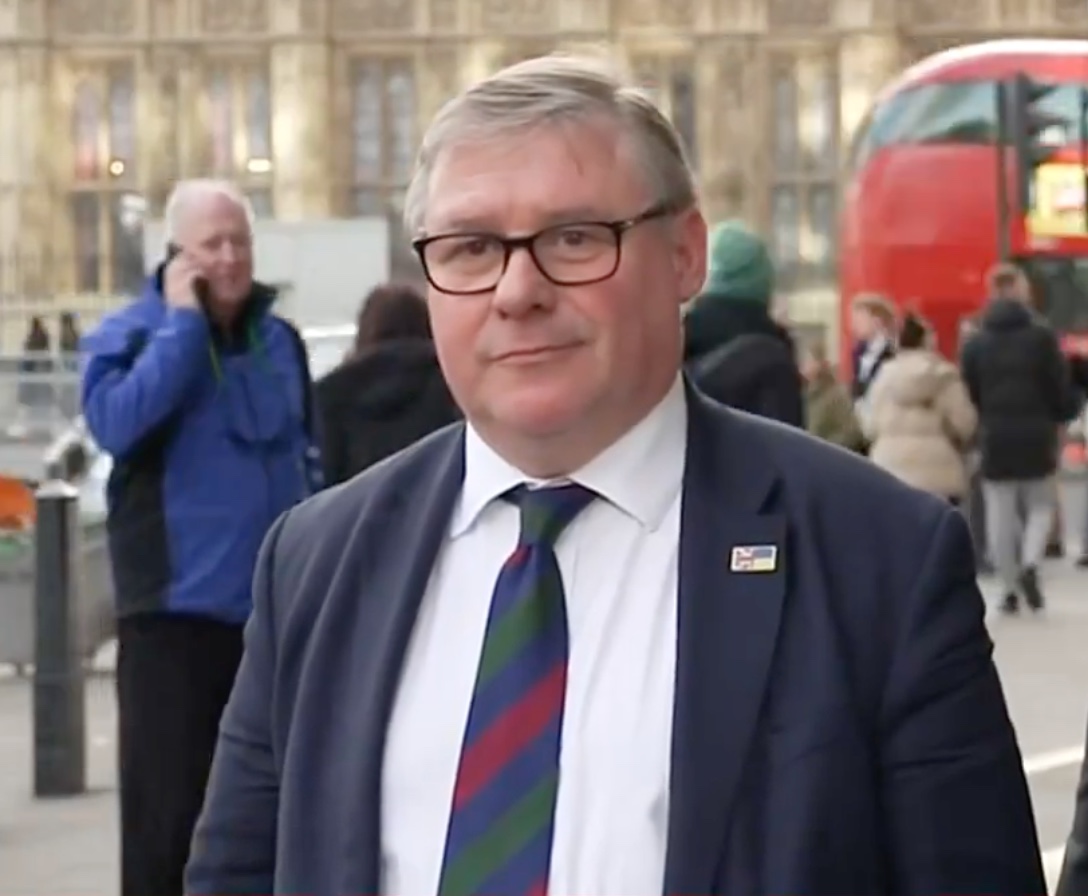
86	126
239	146
106	212
804	127
670	80
384	134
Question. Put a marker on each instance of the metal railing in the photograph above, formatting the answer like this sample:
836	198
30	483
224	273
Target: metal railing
18	310
70	460
71	456
39	395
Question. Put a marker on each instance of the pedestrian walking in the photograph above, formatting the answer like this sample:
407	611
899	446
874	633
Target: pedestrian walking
389	392
35	384
200	393
873	325
920	419
1020	384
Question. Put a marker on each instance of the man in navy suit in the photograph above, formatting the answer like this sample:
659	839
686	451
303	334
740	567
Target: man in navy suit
605	637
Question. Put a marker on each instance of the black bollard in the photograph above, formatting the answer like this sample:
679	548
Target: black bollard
60	741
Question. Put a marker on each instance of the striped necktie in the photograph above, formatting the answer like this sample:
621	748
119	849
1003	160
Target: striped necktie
499	841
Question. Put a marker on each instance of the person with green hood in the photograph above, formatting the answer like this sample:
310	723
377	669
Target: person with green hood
733	349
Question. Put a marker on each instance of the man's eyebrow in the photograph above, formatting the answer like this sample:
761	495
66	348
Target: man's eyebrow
469	223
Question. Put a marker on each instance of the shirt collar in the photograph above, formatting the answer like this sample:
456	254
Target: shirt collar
877	344
640	474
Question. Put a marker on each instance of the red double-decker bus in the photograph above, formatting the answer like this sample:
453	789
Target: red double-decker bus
921	220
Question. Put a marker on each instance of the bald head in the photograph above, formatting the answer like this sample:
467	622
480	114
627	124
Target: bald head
190	198
211	221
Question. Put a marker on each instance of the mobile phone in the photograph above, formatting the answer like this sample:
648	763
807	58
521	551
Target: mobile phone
201	287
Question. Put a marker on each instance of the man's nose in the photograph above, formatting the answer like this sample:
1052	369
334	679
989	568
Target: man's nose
227	252
523	286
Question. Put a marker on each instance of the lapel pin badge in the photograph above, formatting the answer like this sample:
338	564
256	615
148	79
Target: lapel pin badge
754	558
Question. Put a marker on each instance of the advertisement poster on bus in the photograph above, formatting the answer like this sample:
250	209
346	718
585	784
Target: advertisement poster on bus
1059	203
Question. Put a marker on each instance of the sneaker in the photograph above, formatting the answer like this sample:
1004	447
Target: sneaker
1029	582
1010	605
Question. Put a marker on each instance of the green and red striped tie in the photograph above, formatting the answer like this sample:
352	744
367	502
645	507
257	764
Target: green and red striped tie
499	841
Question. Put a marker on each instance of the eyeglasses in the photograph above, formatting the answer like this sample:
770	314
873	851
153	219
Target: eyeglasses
574	254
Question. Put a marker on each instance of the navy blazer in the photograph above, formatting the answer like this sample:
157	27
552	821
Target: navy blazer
839	725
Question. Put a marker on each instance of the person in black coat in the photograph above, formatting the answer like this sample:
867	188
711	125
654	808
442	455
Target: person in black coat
1020	383
389	392
734	350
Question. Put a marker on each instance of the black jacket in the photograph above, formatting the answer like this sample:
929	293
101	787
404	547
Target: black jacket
377	404
859	385
740	357
1020	382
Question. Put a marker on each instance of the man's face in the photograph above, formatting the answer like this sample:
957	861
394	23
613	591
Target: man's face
863	324
216	233
534	360
1014	288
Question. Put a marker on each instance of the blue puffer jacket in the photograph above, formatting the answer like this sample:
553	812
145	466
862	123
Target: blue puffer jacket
210	439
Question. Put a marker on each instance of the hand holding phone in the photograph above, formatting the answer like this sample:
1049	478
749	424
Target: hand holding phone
183	284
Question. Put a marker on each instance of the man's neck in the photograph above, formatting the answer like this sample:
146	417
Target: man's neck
558	455
225	321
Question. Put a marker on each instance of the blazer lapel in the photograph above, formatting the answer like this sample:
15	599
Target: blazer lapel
389	559
728	628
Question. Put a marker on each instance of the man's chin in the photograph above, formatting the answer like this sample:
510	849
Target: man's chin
541	416
236	295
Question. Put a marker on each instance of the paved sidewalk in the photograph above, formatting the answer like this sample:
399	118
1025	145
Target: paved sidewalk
69	847
64	846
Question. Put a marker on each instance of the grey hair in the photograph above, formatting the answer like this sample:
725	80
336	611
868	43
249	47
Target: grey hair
553	90
187	192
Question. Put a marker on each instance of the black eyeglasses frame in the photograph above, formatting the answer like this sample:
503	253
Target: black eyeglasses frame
511	244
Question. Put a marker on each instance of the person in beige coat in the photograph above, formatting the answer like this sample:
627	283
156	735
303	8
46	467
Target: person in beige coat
921	420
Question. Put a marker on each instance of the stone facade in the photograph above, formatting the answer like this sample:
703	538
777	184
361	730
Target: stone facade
316	105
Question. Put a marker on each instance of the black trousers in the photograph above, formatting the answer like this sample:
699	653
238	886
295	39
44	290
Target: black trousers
174	675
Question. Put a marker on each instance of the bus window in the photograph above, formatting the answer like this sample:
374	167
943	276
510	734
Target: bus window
877	127
1060	288
958	112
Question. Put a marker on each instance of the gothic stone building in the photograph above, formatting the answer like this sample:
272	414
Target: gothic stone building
315	106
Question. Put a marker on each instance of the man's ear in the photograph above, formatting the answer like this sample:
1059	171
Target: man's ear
690	253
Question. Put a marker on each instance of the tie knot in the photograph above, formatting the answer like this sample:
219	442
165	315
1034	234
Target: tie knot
546	512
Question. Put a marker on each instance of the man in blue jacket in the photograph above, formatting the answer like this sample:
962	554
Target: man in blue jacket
201	395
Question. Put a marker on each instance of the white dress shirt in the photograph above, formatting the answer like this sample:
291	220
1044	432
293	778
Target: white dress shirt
619	561
874	348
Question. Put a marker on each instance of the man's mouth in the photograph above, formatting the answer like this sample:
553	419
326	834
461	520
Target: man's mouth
537	353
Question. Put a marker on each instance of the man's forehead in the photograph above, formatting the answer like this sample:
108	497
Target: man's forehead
210	212
549	175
